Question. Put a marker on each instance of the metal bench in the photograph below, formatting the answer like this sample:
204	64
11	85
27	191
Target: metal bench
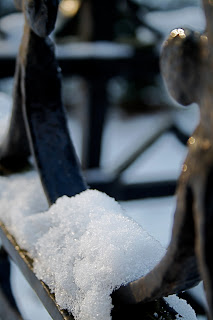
36	114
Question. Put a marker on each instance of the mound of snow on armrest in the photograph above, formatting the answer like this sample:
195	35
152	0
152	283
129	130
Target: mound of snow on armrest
83	247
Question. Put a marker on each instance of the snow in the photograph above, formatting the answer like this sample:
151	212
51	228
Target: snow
87	232
145	211
99	50
180	306
104	235
79	244
164	5
129	133
92	247
152	164
198	294
83	247
13	26
165	21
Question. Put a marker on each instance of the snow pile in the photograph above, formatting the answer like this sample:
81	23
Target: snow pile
83	247
92	248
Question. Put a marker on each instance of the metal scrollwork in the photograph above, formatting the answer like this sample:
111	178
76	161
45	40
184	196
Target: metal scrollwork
38	123
38	126
187	66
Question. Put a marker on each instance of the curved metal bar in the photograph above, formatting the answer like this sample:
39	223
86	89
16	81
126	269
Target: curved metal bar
44	116
38	120
189	256
41	15
178	270
60	172
38	117
15	150
204	194
204	217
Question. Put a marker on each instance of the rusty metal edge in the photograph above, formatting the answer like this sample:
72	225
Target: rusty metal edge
25	264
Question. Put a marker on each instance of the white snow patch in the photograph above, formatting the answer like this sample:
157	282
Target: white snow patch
83	247
181	307
165	21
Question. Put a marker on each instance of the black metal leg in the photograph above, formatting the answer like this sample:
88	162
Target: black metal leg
50	142
95	117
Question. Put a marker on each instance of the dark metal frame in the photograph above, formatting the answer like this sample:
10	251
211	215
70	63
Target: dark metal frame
38	127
